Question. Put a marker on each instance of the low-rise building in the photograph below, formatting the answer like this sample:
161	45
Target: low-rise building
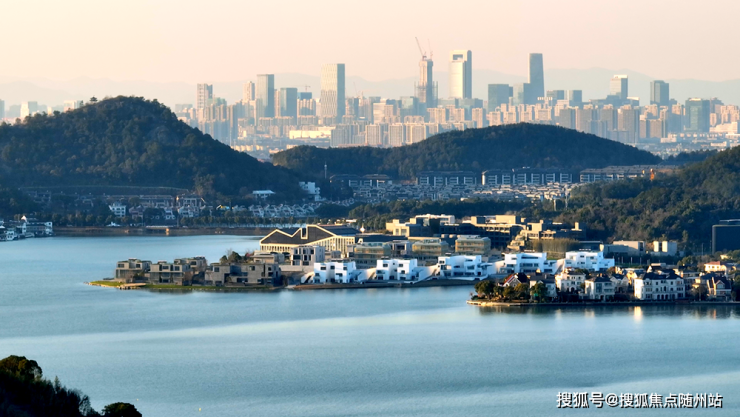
427	250
307	255
548	281
118	209
336	273
659	287
528	262
599	288
402	270
464	267
472	245
569	281
717	266
132	270
591	261
241	274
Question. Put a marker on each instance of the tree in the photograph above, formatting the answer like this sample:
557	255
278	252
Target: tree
522	290
21	367
699	292
485	287
509	293
120	410
539	291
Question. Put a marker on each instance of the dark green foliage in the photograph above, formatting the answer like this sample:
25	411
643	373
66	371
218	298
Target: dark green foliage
497	147
129	141
13	201
120	410
680	207
23	393
689	157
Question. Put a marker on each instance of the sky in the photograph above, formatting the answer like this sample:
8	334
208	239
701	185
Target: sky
223	40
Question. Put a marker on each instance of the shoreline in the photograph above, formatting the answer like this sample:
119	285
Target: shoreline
159	231
484	304
304	287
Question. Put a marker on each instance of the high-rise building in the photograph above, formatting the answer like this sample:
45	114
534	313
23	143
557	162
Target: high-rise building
553	96
659	93
524	94
536	77
461	74
426	89
265	96
332	91
29	108
618	86
72	104
575	97
2	109
203	96
248	92
567	118
288	102
498	94
697	115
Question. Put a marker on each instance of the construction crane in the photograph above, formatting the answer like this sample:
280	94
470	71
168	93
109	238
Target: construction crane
423	54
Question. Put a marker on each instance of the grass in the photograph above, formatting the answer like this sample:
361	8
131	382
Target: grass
107	283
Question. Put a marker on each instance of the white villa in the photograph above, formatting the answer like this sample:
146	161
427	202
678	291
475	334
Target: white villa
464	267
592	261
659	287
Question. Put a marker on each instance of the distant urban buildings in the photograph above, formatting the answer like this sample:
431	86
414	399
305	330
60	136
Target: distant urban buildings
265	97
332	91
203	96
461	74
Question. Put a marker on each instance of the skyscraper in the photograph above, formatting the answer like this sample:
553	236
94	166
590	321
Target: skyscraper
575	97
697	114
618	86
461	74
29	108
265	96
536	77
498	94
248	91
2	109
332	91
203	96
524	94
659	93
426	89
288	102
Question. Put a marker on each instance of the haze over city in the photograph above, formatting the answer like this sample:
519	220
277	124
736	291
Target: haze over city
189	41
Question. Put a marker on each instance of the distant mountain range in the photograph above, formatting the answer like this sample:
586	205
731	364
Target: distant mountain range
593	81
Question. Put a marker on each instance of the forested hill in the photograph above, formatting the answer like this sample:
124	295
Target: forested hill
129	141
680	207
502	147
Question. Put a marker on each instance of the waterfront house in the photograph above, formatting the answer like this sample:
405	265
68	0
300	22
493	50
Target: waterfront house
591	261
570	281
243	273
178	272
403	270
655	286
132	270
548	281
599	288
464	267
515	279
528	262
718	287
337	273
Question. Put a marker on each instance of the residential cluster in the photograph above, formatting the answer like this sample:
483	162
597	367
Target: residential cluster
25	228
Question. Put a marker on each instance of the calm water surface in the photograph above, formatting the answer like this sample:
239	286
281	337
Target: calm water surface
382	352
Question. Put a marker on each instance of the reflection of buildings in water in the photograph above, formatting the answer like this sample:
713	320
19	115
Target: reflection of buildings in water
637	311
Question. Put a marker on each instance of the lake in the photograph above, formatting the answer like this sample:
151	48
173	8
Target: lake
376	352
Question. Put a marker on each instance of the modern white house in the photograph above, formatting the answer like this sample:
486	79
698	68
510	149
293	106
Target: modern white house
659	287
599	289
569	281
118	209
403	270
337	273
515	263
464	267
592	261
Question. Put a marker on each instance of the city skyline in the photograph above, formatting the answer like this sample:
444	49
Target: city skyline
160	50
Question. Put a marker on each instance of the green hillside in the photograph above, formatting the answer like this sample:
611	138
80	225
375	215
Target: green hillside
680	207
497	147
129	141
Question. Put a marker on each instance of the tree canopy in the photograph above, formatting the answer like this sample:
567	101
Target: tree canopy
496	147
129	141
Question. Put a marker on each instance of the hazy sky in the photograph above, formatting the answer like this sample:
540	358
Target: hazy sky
222	40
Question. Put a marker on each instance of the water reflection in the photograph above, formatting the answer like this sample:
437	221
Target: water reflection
696	311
